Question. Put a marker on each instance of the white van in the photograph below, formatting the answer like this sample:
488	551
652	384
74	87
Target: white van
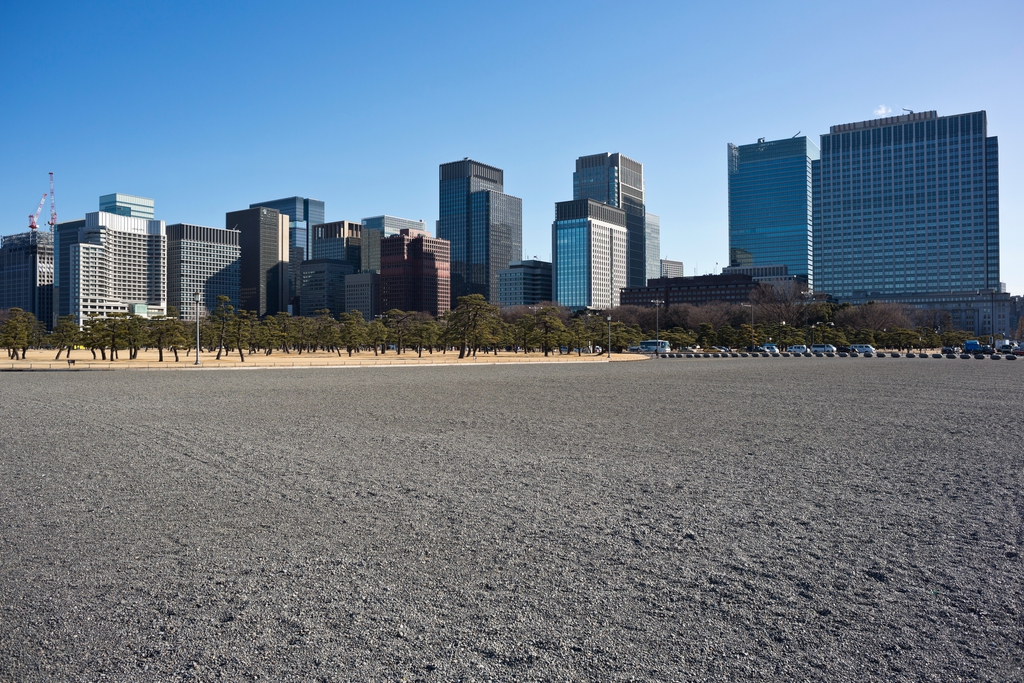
654	346
863	348
822	348
799	348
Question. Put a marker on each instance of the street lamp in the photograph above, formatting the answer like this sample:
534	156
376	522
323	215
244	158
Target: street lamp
814	326
196	298
657	326
609	319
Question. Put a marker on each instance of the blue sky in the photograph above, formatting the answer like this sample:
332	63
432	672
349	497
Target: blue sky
208	107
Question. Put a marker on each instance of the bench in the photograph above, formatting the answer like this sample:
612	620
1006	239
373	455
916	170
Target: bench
71	361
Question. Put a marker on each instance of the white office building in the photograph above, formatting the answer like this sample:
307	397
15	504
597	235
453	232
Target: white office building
114	264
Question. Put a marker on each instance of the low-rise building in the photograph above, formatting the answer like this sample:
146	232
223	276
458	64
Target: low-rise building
524	283
733	288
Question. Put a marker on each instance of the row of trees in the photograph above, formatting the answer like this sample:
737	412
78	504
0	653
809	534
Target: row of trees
779	315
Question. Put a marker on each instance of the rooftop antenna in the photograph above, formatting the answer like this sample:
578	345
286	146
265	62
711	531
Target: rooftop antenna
797	133
909	111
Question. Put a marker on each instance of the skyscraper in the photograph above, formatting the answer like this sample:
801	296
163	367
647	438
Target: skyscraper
323	285
907	204
652	236
483	224
127	205
589	249
377	228
618	181
671	268
263	241
110	263
26	274
339	240
770	205
302	215
414	274
204	260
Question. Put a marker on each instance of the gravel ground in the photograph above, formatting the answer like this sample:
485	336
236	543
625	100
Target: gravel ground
739	519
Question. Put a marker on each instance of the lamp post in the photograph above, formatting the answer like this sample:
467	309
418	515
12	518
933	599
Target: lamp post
195	298
657	327
609	319
815	326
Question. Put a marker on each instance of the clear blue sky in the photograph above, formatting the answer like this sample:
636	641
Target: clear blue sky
207	107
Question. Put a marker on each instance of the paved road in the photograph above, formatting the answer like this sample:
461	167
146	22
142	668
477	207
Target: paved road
739	519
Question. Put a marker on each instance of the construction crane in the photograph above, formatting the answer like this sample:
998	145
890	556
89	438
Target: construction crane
32	217
53	206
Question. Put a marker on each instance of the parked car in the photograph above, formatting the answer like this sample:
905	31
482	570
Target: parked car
947	350
1007	348
863	348
799	348
654	346
972	346
822	348
771	348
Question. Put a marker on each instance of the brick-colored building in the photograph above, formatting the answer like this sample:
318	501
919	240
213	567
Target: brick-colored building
415	273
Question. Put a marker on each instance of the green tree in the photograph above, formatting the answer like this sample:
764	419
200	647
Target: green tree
16	332
353	331
471	321
955	338
220	319
377	334
706	336
550	328
242	331
65	335
398	324
94	335
136	334
114	330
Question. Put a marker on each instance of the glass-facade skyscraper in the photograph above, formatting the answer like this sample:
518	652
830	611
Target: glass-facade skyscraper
127	205
302	214
589	254
618	181
377	228
26	274
483	224
907	204
771	205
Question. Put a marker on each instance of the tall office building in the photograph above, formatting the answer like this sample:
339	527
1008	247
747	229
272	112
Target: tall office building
109	263
589	248
362	293
524	283
770	205
340	241
263	254
376	228
127	205
907	204
26	274
618	181
302	215
670	268
204	260
323	285
483	225
414	274
652	237
393	225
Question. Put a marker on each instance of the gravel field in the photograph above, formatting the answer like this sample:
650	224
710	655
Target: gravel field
737	519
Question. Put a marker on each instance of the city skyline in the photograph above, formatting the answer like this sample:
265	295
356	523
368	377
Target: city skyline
699	97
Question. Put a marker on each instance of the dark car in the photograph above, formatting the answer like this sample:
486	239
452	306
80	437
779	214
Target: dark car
987	350
843	349
946	350
755	349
